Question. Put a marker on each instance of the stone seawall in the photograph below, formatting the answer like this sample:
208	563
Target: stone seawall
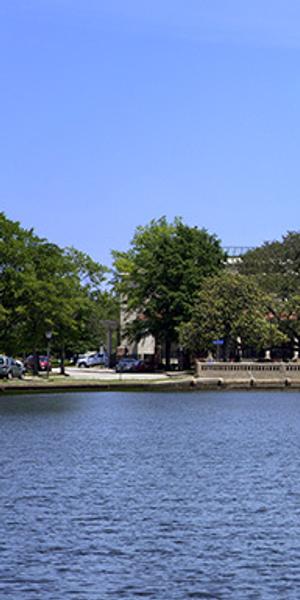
247	374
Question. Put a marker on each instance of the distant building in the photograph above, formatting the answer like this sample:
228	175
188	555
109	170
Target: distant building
235	255
142	349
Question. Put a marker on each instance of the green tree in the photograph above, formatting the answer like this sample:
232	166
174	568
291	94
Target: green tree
43	287
286	314
160	275
230	306
15	261
276	265
79	328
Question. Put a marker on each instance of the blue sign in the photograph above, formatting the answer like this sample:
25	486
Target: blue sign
218	342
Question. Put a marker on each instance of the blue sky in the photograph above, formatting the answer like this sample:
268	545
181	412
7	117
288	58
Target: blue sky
114	112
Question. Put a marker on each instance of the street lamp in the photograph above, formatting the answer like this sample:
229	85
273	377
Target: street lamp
110	326
296	348
48	336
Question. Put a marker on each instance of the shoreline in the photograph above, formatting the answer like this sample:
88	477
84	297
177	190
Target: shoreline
177	384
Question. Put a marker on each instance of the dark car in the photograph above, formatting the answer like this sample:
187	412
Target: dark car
130	365
44	364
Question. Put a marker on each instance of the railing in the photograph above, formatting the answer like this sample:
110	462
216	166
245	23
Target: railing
292	368
242	367
248	370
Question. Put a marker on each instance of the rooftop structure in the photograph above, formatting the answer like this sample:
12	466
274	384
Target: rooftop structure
235	253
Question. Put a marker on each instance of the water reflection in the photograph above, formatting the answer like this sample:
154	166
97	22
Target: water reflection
36	404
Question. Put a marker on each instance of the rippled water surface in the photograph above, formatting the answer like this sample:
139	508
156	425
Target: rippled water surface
163	496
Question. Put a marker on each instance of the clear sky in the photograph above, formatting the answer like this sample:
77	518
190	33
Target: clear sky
114	112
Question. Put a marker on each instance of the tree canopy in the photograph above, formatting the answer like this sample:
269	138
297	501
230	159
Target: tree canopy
45	287
159	276
173	284
276	265
232	308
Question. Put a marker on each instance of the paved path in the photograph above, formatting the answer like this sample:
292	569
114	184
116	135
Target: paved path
95	373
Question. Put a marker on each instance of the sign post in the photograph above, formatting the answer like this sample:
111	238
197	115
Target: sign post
218	343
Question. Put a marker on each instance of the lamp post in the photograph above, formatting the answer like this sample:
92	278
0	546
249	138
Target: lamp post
110	326
296	349
48	336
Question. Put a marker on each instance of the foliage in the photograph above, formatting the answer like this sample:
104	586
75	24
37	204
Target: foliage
276	265
286	314
160	275
45	287
172	282
230	306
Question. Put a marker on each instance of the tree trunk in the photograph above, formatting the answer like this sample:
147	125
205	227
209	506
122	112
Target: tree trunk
168	354
62	360
227	348
157	353
35	363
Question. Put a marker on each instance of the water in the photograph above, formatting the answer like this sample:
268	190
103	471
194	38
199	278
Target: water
159	496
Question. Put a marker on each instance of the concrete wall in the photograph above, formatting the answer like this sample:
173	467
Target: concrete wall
280	372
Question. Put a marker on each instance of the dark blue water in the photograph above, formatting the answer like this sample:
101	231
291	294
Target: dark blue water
163	496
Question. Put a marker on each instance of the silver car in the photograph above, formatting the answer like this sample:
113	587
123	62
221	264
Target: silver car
91	360
9	367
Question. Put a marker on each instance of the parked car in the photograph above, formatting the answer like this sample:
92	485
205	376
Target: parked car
130	365
9	367
44	364
92	360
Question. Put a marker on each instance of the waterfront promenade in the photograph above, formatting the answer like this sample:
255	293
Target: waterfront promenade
98	379
245	375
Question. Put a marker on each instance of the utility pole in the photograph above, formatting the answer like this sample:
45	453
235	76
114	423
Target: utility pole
110	326
48	335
